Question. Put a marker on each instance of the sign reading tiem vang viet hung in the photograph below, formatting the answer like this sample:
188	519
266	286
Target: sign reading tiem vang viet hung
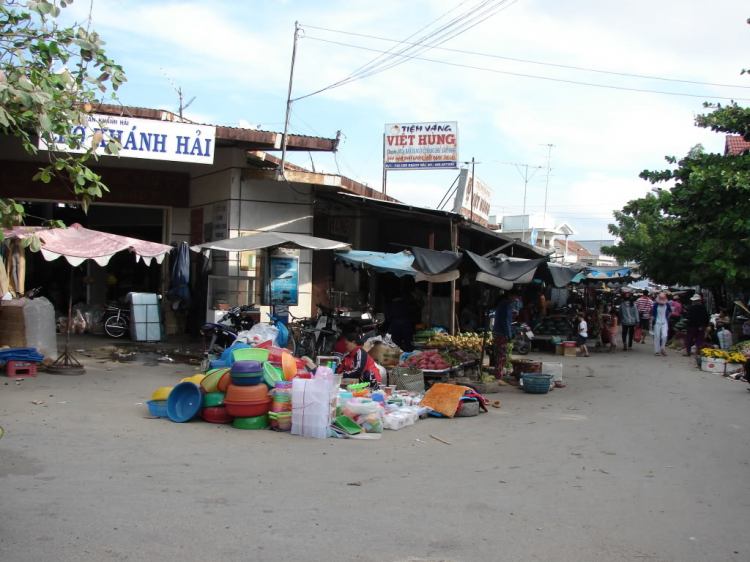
144	138
421	146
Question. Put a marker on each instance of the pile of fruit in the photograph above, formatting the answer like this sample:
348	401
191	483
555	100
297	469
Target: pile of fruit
463	356
427	361
733	357
553	326
469	341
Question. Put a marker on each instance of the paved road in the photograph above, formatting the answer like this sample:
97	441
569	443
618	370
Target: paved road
639	459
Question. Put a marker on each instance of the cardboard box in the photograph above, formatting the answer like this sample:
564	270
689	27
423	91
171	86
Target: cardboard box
385	355
559	349
570	351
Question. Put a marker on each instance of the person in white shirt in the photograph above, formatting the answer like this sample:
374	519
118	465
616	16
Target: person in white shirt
660	323
583	334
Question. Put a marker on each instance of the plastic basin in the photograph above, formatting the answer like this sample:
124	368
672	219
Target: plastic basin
211	382
272	374
248	409
288	366
157	408
213	399
224	381
216	414
255	393
251	354
251	422
243	380
197	379
246	367
184	402
281	421
161	393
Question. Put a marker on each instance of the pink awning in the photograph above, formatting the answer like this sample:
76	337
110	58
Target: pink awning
78	244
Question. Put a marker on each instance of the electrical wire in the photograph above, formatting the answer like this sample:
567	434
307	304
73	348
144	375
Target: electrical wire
453	28
576	82
528	61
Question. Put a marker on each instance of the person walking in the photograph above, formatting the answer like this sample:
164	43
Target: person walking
675	316
501	330
628	319
583	334
613	326
644	306
697	317
660	323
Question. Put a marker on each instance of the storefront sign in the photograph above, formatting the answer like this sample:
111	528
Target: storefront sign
220	222
473	201
421	146
144	138
283	277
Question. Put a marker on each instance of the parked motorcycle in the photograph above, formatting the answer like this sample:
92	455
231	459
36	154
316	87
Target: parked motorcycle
217	336
522	336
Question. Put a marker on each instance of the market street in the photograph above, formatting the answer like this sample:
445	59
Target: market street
639	458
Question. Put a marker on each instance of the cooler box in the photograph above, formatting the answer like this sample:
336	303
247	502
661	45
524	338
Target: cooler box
145	317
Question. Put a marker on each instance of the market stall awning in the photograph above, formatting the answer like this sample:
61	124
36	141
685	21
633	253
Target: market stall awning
607	272
504	272
563	275
78	244
269	240
399	264
435	266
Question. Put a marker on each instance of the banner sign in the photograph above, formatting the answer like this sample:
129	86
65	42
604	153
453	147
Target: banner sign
421	146
283	277
144	138
473	200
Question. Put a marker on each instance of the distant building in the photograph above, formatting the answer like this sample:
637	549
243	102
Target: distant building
736	145
534	229
570	252
594	247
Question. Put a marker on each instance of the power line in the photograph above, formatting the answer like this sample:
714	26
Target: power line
528	61
458	24
485	69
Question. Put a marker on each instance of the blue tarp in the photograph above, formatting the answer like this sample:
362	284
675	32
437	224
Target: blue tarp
20	354
399	264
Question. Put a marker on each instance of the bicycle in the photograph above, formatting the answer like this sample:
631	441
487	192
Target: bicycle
303	331
117	322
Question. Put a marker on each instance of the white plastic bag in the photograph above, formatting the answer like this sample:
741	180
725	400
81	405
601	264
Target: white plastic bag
260	333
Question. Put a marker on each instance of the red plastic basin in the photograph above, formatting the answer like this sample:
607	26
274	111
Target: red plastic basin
248	409
216	414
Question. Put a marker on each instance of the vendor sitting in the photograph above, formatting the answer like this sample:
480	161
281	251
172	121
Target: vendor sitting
358	364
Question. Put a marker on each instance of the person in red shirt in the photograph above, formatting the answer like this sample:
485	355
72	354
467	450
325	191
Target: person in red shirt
358	364
644	306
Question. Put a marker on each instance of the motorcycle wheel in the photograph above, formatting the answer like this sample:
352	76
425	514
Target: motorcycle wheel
115	327
522	347
306	346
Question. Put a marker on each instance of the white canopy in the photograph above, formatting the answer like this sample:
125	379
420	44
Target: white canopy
270	239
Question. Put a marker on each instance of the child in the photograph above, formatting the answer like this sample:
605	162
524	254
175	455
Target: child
614	329
583	334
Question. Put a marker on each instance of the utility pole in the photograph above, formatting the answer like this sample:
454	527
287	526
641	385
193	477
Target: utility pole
471	198
526	177
546	185
280	171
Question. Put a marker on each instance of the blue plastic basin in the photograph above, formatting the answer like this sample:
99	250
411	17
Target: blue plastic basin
184	402
247	381
157	408
246	367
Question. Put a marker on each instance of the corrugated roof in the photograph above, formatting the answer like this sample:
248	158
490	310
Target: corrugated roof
736	145
573	247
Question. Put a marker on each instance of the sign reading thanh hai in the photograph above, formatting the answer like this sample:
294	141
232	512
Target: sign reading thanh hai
143	138
421	146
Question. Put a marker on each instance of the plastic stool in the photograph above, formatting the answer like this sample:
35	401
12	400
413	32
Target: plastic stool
20	369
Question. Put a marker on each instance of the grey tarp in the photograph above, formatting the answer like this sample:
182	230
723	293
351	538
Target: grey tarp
432	262
562	275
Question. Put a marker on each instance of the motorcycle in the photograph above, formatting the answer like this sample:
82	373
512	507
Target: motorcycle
217	336
522	336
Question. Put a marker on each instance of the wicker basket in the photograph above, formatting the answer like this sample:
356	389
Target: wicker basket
407	379
12	326
536	383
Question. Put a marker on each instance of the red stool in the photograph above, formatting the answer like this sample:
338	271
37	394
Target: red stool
20	369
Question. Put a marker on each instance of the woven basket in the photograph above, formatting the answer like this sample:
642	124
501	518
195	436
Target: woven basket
536	383
12	326
407	379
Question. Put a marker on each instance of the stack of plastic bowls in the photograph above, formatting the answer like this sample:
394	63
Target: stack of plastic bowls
281	407
246	398
214	410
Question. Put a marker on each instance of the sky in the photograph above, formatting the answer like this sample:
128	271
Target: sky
234	58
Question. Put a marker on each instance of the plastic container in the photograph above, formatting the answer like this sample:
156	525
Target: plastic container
251	422
248	409
213	399
246	367
161	393
255	393
224	381
536	383
197	379
211	382
251	354
288	366
274	353
184	402
254	380
216	414
158	408
281	421
272	374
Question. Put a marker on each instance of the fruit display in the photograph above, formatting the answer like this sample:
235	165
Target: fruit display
552	326
427	361
469	341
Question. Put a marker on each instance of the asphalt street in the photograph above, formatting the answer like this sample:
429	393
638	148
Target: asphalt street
640	458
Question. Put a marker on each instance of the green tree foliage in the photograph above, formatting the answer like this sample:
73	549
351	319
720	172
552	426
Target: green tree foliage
50	77
697	230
